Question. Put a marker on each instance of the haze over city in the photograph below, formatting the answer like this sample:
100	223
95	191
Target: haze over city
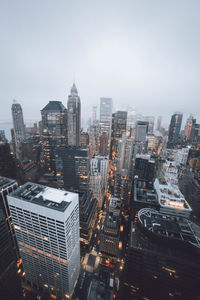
144	54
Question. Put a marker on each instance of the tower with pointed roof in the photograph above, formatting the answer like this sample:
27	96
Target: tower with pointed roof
74	117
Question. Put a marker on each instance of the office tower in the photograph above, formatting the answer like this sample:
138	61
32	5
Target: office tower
110	234
118	129
46	223
103	149
159	123
10	287
8	164
94	132
87	208
74	117
141	131
98	173
174	130
19	128
84	139
164	254
54	133
105	115
144	167
143	195
72	168
125	151
99	165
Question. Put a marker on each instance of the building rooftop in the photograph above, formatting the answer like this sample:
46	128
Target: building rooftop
170	195
168	227
6	182
54	106
144	192
44	196
98	290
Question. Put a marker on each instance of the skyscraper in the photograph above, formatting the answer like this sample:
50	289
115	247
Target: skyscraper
19	128
105	115
72	168
54	133
119	121
74	117
46	222
141	131
174	130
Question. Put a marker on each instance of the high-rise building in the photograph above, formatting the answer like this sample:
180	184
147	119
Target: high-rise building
54	133
141	131
105	115
8	246
19	127
99	165
144	167
8	164
103	148
46	223
74	117
87	208
118	129
164	254
174	130
111	230
72	168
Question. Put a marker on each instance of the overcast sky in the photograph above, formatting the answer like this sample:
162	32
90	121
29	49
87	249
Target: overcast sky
142	53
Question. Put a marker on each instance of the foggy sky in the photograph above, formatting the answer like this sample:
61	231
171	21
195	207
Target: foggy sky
142	53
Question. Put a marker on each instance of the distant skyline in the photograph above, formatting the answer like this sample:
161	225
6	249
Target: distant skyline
142	53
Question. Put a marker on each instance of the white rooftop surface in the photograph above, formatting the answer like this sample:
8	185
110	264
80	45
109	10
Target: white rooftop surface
171	195
55	195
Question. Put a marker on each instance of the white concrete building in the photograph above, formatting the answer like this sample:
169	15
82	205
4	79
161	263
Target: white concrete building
46	223
99	165
181	156
170	198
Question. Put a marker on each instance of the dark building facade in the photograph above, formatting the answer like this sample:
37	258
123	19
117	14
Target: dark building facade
174	130
163	259
144	167
10	286
8	164
54	133
72	168
119	121
87	209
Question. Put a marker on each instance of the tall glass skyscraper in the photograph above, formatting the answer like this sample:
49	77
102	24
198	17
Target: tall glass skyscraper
174	129
54	133
74	117
105	115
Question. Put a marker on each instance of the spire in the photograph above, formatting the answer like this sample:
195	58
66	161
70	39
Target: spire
74	90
